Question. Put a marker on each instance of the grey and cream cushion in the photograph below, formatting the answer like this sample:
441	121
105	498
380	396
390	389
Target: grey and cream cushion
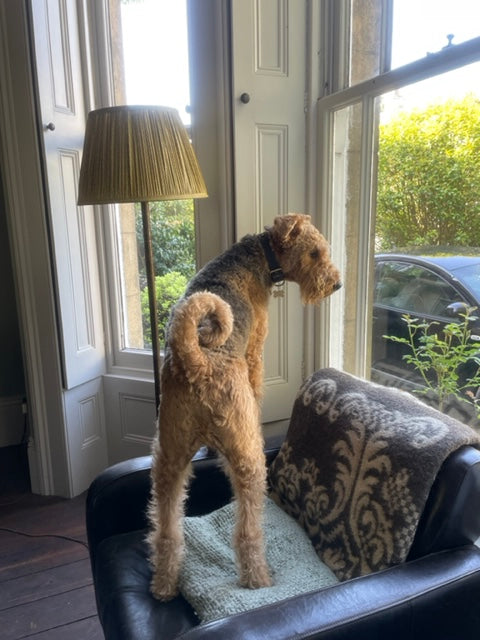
356	468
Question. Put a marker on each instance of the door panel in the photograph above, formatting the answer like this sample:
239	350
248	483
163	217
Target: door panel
74	241
60	84
269	158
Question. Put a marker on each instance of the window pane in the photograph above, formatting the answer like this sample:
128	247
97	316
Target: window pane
346	194
418	28
155	53
426	27
428	197
428	204
174	257
150	56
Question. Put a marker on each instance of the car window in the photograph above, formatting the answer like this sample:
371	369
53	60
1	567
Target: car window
413	289
470	276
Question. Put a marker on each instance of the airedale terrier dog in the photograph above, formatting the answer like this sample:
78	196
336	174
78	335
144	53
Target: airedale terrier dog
211	387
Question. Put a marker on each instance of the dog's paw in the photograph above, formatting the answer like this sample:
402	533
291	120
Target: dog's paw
256	578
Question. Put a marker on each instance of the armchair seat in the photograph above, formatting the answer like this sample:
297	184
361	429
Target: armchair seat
434	593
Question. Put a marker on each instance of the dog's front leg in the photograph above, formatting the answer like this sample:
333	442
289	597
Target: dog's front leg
254	352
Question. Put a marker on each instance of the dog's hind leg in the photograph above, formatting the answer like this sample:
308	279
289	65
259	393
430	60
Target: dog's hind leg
170	475
243	450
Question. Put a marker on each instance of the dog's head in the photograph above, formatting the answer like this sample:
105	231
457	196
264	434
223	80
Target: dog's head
304	255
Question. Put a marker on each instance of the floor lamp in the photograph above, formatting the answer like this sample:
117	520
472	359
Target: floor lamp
139	154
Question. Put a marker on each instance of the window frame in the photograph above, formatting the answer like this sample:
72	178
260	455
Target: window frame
330	346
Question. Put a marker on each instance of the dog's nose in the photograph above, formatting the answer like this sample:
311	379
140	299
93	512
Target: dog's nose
337	286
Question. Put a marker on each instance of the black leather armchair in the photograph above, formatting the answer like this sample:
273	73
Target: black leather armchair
435	594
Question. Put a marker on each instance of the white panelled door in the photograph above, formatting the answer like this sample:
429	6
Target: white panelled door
59	71
60	76
269	154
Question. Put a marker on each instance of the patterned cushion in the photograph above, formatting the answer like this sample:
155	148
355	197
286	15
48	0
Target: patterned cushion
356	468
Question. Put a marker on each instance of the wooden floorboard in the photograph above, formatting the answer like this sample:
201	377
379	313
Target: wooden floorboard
42	584
23	556
88	629
43	614
46	587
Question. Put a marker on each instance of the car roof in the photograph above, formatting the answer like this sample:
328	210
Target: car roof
448	263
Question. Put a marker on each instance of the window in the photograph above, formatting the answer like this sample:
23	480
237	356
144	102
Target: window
350	143
150	47
171	53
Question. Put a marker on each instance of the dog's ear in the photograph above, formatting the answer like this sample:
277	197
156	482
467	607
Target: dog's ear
287	228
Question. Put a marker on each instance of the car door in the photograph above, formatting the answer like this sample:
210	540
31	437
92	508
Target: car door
403	287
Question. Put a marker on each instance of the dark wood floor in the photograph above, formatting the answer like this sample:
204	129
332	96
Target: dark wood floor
46	590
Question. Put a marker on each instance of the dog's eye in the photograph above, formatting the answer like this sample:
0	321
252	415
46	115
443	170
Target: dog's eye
314	254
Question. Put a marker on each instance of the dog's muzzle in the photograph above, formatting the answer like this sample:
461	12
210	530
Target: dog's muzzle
337	286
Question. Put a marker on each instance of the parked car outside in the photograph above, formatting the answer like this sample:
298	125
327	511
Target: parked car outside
434	289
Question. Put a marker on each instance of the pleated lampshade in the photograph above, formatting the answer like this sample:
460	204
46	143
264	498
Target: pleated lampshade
137	154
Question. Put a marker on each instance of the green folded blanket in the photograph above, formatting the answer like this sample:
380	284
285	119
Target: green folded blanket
209	576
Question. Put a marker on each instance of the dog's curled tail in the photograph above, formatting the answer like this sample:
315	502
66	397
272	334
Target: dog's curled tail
201	322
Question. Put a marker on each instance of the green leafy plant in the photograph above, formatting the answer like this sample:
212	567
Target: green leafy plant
428	187
168	289
173	238
440	356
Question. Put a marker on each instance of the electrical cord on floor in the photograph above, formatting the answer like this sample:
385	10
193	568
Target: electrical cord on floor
44	535
9	502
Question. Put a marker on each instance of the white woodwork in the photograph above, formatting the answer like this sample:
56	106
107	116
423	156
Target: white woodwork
60	82
269	160
28	231
130	407
271	37
82	446
86	439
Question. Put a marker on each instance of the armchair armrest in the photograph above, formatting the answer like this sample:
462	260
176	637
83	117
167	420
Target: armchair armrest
451	517
432	597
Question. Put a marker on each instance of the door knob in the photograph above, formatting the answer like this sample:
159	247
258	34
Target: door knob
50	126
245	98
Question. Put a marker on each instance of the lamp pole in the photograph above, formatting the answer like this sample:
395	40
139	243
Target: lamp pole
152	298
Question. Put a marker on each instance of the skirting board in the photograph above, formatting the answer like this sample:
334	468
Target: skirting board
12	421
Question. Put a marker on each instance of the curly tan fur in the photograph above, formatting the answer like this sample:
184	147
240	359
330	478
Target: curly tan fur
211	388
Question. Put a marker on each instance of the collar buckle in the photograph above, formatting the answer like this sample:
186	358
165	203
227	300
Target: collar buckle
277	276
